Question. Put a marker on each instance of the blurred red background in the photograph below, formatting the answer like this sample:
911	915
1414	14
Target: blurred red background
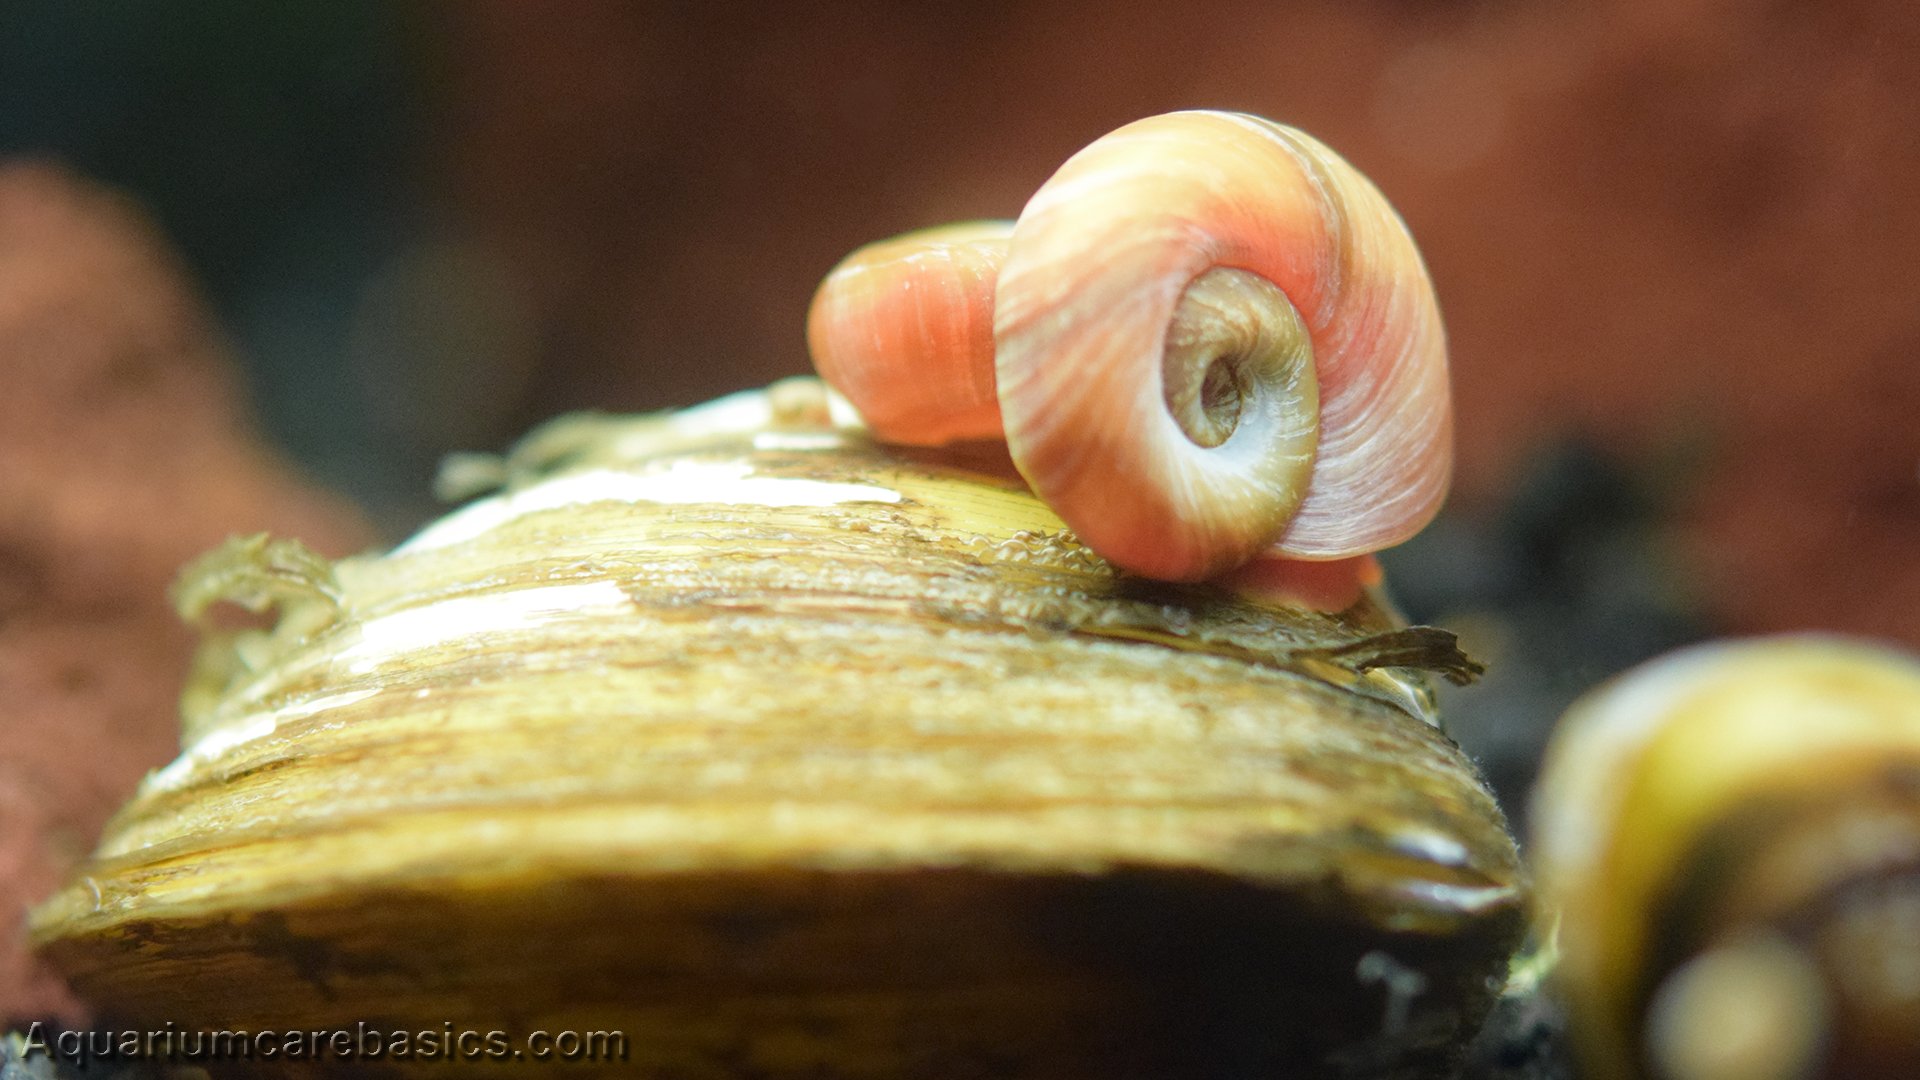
1680	238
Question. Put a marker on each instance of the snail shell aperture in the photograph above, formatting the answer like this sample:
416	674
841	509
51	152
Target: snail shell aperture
790	755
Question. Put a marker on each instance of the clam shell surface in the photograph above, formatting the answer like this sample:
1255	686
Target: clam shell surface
785	754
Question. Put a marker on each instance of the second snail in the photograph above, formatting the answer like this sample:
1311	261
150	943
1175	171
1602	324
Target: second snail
1207	339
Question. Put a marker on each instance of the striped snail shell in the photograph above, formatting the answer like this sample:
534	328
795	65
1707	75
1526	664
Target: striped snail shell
904	329
1730	839
1212	338
792	755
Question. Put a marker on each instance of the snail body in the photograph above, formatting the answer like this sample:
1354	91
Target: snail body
1730	838
1212	338
786	754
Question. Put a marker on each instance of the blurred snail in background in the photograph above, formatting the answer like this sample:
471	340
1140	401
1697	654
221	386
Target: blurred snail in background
1212	338
1730	837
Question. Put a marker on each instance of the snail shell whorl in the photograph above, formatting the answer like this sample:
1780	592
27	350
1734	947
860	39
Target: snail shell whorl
904	329
1102	260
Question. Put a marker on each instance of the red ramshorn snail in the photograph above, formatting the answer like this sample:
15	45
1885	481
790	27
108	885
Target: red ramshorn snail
1212	339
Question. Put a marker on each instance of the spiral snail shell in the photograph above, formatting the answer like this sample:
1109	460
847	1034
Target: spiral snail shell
1730	838
1212	337
904	329
788	754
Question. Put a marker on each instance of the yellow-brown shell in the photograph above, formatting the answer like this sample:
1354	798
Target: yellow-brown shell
1729	838
789	755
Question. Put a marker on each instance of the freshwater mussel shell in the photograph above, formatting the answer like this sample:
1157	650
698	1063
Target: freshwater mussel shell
788	755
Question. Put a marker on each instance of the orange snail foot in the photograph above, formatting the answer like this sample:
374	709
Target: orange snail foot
1331	586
